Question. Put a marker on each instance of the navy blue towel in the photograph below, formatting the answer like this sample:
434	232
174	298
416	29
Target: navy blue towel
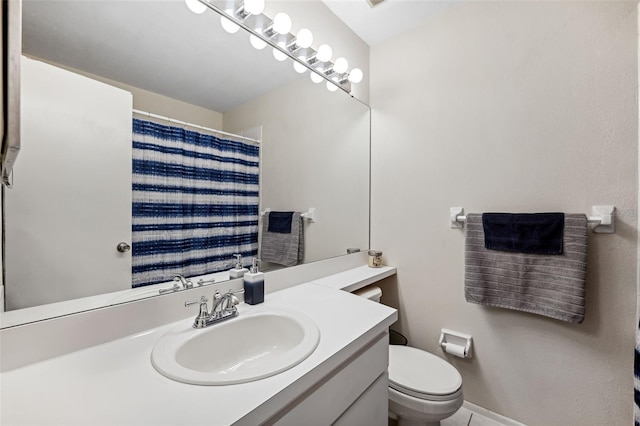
280	222
533	233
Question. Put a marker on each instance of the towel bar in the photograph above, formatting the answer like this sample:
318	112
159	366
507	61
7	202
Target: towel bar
310	214
602	216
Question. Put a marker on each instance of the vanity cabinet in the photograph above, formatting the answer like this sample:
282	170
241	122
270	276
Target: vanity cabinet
354	394
343	381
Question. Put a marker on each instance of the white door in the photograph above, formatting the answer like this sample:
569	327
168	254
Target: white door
70	204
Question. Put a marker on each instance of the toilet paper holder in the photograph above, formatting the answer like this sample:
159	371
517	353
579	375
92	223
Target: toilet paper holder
455	343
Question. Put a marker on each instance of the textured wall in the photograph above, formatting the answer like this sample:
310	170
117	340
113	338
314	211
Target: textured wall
513	106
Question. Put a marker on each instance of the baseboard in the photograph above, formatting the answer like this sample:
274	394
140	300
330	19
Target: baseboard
506	421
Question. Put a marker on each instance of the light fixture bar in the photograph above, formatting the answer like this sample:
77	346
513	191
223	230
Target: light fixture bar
240	13
239	18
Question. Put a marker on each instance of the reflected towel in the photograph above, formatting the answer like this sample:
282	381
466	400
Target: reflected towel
549	285
280	222
282	248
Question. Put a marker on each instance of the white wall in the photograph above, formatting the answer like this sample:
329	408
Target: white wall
513	106
145	100
315	153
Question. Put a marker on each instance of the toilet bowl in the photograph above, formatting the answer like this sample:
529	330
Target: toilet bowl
423	388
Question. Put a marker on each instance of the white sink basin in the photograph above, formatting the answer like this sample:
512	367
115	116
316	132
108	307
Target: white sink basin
252	346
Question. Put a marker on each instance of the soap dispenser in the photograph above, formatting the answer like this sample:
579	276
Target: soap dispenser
238	271
254	285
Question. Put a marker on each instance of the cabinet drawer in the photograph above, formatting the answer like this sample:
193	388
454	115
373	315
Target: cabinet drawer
334	396
371	408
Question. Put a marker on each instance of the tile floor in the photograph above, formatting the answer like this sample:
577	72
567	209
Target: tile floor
466	417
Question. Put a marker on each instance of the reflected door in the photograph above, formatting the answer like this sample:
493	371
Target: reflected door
70	205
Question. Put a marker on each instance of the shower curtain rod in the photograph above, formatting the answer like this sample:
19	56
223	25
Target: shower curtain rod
184	123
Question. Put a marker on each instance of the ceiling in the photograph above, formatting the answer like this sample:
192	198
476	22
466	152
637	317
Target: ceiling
158	46
390	17
162	47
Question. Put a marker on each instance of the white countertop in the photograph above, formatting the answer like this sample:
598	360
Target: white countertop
115	384
356	278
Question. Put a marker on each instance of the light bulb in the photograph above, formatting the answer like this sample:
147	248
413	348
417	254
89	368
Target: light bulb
256	42
195	6
324	53
282	23
340	65
355	76
254	7
316	78
228	25
304	38
298	66
278	55
332	87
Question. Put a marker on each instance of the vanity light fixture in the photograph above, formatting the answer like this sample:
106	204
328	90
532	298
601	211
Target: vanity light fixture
302	40
227	24
341	65
195	6
256	42
297	47
277	53
324	53
299	67
281	24
248	7
356	75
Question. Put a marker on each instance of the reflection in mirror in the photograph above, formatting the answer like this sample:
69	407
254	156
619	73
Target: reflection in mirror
71	205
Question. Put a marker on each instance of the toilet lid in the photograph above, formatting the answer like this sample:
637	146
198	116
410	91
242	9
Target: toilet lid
420	373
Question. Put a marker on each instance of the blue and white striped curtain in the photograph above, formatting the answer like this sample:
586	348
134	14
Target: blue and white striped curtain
636	379
195	202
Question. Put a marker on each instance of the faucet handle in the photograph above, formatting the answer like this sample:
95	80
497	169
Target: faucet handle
173	289
203	315
202	282
203	301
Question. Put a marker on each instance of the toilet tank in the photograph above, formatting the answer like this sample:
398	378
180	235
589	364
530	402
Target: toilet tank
372	293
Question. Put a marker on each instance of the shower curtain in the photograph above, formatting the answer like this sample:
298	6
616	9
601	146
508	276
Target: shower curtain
195	202
636	379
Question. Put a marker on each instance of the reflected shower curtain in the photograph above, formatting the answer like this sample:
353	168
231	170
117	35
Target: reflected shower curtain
636	379
195	202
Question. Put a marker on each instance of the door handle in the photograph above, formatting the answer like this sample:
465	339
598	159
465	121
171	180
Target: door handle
123	247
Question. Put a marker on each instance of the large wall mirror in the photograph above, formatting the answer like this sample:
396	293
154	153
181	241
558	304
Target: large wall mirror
97	64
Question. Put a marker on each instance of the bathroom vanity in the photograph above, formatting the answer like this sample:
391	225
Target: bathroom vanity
343	381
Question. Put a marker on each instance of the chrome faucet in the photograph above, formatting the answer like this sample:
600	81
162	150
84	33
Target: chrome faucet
186	283
224	307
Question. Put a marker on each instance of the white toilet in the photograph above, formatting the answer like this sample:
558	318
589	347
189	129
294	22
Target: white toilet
423	388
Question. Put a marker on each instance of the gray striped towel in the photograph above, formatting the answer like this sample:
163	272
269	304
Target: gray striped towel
549	285
280	248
